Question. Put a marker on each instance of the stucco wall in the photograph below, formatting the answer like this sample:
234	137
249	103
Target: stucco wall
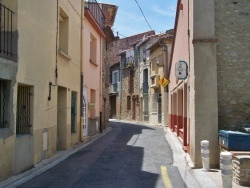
36	67
233	60
195	44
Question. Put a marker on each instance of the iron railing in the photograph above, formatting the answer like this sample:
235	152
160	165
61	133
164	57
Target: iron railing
145	87
7	40
96	12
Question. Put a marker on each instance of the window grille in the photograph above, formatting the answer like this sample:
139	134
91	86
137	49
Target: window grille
3	105
23	117
73	111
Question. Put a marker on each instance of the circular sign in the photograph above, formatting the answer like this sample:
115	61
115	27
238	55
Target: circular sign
181	70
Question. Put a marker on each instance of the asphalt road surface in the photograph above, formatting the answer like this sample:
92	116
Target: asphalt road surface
129	156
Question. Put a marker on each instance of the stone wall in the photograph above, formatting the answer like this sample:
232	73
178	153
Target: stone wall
123	44
105	89
241	170
125	113
232	19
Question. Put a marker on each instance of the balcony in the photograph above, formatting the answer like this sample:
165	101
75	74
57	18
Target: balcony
145	87
96	12
8	44
155	81
114	88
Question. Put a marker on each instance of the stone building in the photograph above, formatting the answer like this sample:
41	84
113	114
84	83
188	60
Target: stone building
209	72
144	70
129	85
109	12
120	46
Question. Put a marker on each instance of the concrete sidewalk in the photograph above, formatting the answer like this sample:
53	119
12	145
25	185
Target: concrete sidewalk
205	179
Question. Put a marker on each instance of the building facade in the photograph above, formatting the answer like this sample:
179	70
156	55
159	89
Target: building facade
109	11
144	68
206	97
93	36
49	98
40	85
116	53
159	61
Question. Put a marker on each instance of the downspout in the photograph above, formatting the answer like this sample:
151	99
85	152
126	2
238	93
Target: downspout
81	75
57	31
165	63
120	89
100	85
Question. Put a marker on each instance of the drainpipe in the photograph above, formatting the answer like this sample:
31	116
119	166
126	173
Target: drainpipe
100	84
81	76
57	31
165	59
120	89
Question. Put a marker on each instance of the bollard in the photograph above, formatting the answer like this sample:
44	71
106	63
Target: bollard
205	155
226	169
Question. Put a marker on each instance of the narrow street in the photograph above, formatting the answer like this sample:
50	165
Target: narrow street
128	156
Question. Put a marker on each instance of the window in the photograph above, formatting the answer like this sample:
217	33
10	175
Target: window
4	102
24	109
63	32
93	49
115	81
131	81
145	81
128	102
73	111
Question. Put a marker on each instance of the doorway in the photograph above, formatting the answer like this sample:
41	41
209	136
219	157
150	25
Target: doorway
62	118
84	113
113	107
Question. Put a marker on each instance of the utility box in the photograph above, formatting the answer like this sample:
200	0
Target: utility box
234	140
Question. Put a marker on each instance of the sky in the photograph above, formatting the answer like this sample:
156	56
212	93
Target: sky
129	20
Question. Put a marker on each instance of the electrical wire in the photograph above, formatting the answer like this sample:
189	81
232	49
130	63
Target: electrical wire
143	15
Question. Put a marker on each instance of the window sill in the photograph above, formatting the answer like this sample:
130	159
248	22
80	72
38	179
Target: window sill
93	63
64	55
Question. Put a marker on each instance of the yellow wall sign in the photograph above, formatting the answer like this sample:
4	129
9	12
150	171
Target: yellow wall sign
164	81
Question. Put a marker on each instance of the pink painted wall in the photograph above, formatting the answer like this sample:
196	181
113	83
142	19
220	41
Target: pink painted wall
91	72
180	51
177	108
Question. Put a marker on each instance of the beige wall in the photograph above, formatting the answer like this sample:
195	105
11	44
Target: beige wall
69	69
38	62
203	83
36	67
159	70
